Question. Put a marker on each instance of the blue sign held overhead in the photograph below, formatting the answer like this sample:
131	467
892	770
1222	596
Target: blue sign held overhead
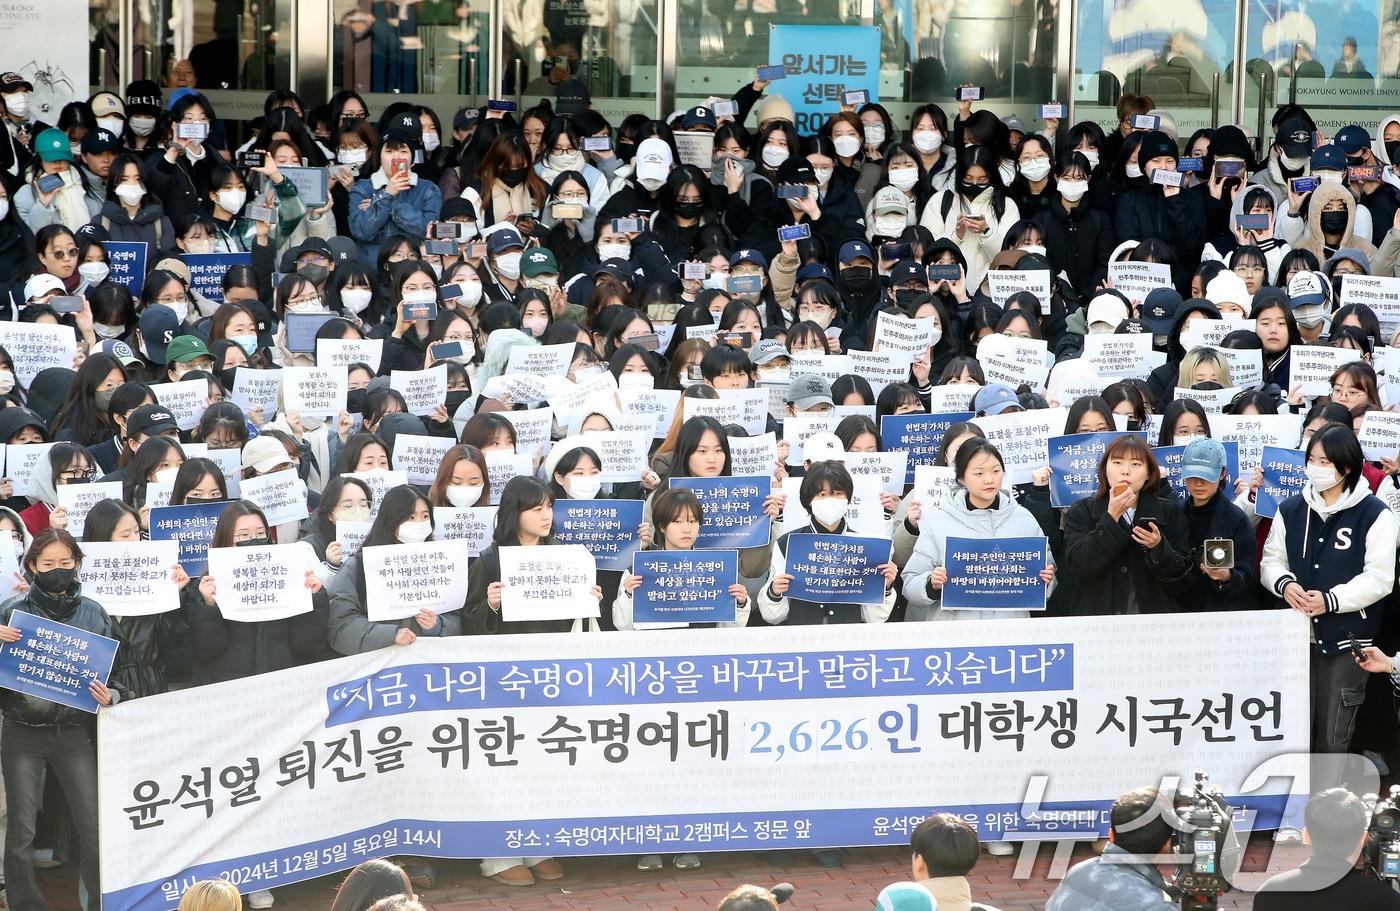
685	586
733	508
837	569
55	661
608	528
821	62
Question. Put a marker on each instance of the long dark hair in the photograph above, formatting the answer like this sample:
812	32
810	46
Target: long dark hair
368	883
147	457
102	519
90	424
189	476
322	522
688	440
223	532
521	493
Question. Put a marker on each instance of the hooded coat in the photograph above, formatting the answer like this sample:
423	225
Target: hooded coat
1275	249
1312	239
1078	242
149	226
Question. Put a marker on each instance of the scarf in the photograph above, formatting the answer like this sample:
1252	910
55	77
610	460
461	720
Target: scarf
71	201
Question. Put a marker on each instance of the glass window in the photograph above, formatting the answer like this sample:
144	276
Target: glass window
411	48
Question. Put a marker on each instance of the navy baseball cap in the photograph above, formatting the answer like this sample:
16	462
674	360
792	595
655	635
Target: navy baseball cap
1352	139
1328	158
748	255
100	140
503	239
698	117
815	270
1159	310
852	250
907	270
159	326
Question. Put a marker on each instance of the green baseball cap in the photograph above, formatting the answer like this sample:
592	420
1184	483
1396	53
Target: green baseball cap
539	261
185	348
53	145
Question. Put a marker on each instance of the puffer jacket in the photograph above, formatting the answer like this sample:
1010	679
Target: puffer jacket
150	226
1312	239
1078	242
1111	883
957	519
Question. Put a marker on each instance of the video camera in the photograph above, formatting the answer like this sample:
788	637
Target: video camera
1382	849
1204	835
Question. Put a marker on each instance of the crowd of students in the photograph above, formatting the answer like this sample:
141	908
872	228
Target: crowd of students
554	226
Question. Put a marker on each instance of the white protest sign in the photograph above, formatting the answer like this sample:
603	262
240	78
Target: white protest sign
403	579
419	456
1003	283
1118	356
422	390
471	525
22	460
158	494
880	368
1252	432
1312	366
753	456
1202	332
77	499
657	404
706	331
797	428
1213	401
541	360
1246	365
1014	361
1379	292
35	346
931	485
9	572
889	468
696	148
553	582
829	367
257	584
342	352
753	408
532	429
501	466
317	392
1136	280
597	391
254	389
1072	380
380	483
350	535
131	578
951	398
1379	436
230	462
280	495
187	400
899	333
624	455
1023	438
523	389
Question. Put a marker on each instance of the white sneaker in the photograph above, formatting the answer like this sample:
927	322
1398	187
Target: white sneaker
1001	848
1288	835
260	899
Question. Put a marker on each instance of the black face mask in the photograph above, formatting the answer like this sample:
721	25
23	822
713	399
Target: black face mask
906	296
454	400
1333	222
513	177
89	480
313	273
56	581
1392	149
226	377
857	279
626	149
354	400
252	542
1337	285
689	209
973	190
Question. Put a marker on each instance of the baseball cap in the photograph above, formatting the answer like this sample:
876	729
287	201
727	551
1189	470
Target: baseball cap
119	350
1203	460
809	271
1295	135
178	95
907	270
405	128
1159	309
1014	124
1352	139
806	391
796	170
994	398
185	348
505	237
889	201
151	420
571	98
853	250
539	261
53	145
1305	289
1328	158
100	140
263	454
618	269
748	255
342	249
465	119
14	82
175	266
1108	309
823	447
698	117
653	159
158	327
766	350
41	283
105	104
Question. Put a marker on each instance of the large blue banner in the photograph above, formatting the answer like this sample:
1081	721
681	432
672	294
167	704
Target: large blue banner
837	569
995	574
608	528
1284	476
55	661
1074	464
685	586
193	527
733	509
822	61
920	435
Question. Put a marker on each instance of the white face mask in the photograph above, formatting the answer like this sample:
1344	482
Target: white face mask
199	245
889	225
829	510
846	146
1182	439
1132	170
904	178
166	476
1034	248
232	201
351	514
636	381
584	488
17	103
352	157
571	160
76	148
1073	190
935	336
94	273
4	209
414	532
437	269
131	194
614	251
471	294
356	299
306	306
111	124
508	265
1336	177
463	496
773	156
928	141
778	375
104	331
431	141
1293	164
142	126
7	382
181	310
1093	156
874	134
425	296
823	175
1037	169
1321	477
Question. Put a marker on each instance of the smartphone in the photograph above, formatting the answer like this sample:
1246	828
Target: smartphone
744	284
1229	168
508	106
944	272
446	230
252	159
1146	121
771	72
792	191
1144	522
795	232
1363	173
302	329
195	131
440	247
262	213
1302	184
650	341
1190	163
696	272
896	252
596	143
566	210
450	292
417	312
1166	178
725	109
735	339
692	372
969	93
67	303
1052	111
50	182
665	313
628	225
476	249
1257	222
855	98
444	351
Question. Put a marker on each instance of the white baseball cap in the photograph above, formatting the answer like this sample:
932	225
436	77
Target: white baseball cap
41	284
653	159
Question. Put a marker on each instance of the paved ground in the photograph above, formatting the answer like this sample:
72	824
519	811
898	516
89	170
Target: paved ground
604	884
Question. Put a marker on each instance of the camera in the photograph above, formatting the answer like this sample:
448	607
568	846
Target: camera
1203	834
1382	851
1219	553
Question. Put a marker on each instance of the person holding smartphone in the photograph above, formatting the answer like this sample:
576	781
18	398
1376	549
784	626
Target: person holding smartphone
392	200
55	190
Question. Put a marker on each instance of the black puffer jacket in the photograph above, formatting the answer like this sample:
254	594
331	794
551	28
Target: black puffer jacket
1179	221
1078	242
228	650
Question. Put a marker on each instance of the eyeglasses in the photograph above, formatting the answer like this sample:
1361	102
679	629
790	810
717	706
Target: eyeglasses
1350	393
241	537
71	253
562	150
813	310
78	474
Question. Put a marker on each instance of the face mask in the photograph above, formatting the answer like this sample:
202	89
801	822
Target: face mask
874	134
904	178
56	581
17	104
232	201
313	273
1392	149
935	336
251	542
131	194
142	126
614	251
829	510
7	382
431	141
437	269
689	209
584	488
823	175
356	299
535	325
889	225
1034	248
652	184
846	146
1074	190
513	177
773	155
636	381
973	190
471	294
1293	164
571	160
352	157
103	400
856	279
4	209
1336	177
94	273
181	310
414	532
1322	477
778	375
76	148
1039	169
104	331
928	141
307	306
353	514
199	245
1093	156
508	265
463	496
249	343
1333	222
111	124
1132	170
1181	439
166	476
